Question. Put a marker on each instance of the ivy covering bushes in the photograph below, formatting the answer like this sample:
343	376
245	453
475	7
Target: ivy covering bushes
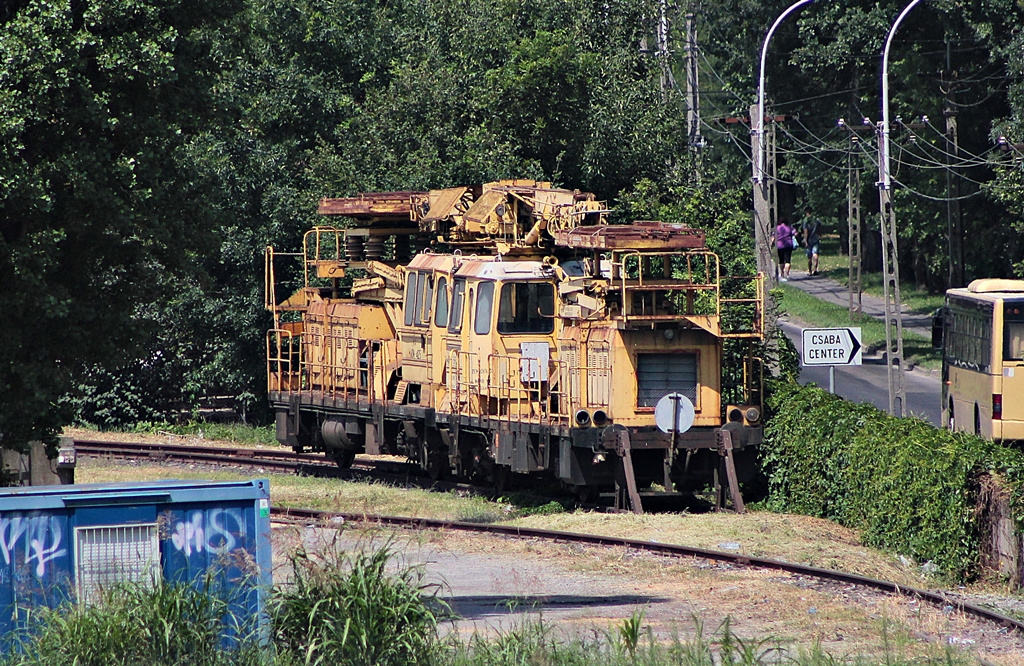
906	485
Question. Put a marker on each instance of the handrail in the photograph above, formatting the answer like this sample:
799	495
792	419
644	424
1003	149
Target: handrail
691	282
757	325
280	365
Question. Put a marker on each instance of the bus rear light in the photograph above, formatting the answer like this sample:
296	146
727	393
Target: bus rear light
997	406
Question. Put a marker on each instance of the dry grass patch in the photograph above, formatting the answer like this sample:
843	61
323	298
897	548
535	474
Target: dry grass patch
159	437
800	539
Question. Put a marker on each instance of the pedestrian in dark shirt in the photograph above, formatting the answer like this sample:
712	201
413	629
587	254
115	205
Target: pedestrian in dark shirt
812	238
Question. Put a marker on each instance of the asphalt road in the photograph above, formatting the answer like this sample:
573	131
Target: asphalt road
870	383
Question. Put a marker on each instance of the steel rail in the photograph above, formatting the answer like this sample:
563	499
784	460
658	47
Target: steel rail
284	460
936	597
309	464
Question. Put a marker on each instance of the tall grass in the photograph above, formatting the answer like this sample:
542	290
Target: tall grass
354	609
163	624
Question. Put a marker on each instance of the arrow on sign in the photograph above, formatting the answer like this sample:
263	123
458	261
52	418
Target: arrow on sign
831	346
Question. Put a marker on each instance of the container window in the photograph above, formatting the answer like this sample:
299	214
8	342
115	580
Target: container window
115	554
657	375
484	307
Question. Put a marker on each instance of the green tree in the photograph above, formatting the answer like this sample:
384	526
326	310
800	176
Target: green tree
101	209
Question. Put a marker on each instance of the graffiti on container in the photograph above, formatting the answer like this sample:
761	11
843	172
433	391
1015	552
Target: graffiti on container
213	531
39	535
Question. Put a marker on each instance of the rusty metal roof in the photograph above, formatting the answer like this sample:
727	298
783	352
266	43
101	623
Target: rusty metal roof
391	206
636	236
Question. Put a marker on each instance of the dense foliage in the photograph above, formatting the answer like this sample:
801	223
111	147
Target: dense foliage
152	148
907	486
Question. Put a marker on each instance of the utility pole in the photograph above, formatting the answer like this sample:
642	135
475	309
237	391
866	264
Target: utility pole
853	221
890	280
765	199
667	79
890	254
954	219
696	141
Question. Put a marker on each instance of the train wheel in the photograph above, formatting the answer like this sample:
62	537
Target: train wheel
502	479
434	461
343	458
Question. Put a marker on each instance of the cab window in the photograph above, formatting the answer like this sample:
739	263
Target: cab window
427	288
1013	331
526	307
484	307
412	282
441	306
458	300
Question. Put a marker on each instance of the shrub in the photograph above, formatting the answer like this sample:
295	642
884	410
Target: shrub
908	486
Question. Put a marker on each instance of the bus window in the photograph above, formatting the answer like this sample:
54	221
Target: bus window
458	298
1013	332
441	307
526	307
484	302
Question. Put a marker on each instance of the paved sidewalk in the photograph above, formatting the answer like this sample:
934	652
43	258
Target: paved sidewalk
872	306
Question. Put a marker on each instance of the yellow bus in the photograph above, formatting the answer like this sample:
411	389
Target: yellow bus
983	359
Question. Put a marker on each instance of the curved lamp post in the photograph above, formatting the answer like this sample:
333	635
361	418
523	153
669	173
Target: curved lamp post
757	124
890	255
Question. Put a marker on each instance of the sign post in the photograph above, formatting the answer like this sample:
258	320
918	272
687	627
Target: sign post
831	347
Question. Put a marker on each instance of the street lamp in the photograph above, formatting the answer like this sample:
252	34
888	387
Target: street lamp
757	126
764	199
886	177
890	255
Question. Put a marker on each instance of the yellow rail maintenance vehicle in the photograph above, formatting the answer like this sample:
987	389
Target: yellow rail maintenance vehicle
509	329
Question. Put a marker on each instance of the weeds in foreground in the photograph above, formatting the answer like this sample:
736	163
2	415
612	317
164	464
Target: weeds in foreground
354	609
365	608
163	624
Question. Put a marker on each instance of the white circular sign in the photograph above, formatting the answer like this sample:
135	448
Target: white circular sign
674	413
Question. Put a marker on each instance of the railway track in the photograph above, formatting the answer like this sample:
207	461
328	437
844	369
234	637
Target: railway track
278	460
318	464
938	598
313	464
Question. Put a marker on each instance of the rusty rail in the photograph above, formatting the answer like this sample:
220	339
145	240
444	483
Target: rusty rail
936	597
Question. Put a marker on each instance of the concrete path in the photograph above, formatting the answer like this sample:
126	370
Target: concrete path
868	383
872	306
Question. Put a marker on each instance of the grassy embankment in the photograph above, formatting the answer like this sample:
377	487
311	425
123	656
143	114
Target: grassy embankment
815	312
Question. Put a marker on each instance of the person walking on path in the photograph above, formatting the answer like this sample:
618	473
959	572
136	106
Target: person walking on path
812	238
785	239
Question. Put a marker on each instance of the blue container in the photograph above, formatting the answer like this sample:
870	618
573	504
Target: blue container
59	543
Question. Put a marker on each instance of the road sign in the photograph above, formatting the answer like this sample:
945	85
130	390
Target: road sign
831	346
674	413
